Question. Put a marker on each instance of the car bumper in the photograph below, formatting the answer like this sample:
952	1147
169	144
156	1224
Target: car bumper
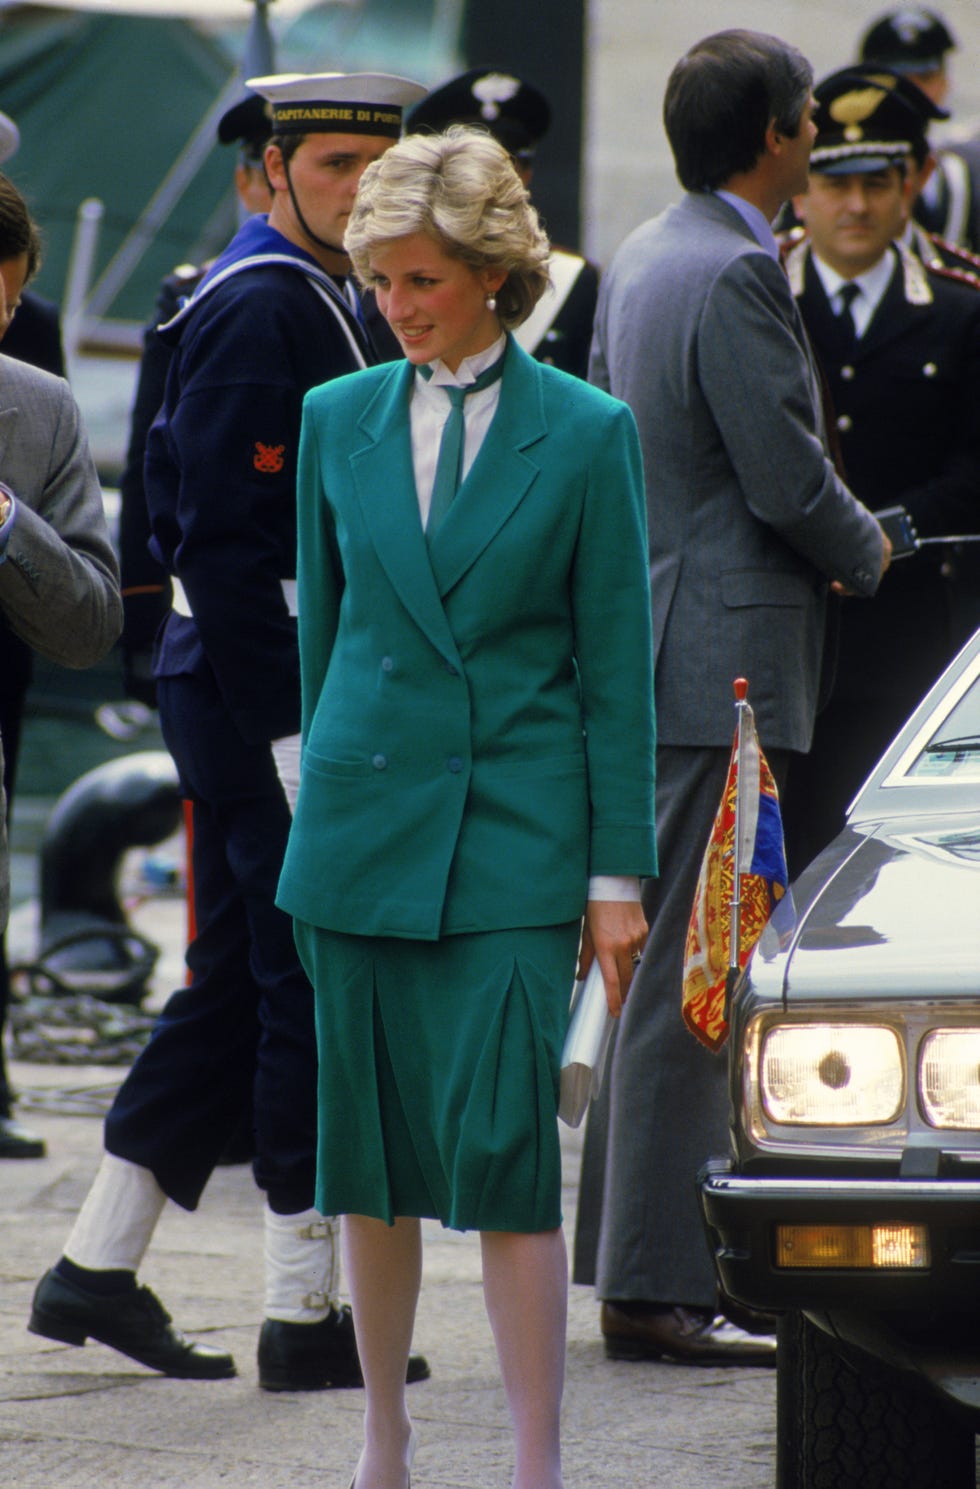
742	1214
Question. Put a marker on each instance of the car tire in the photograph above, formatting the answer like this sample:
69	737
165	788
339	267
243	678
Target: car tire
844	1425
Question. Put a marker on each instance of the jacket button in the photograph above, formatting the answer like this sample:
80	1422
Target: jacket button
380	762
847	373
844	423
386	664
930	369
455	764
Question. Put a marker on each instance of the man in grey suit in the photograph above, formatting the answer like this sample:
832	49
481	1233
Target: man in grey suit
749	524
59	583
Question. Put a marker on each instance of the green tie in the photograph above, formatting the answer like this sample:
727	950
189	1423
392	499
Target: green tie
451	444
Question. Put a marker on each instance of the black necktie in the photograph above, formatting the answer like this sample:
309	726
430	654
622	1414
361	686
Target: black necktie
845	318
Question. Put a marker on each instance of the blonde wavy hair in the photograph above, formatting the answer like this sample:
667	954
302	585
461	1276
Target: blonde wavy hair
461	189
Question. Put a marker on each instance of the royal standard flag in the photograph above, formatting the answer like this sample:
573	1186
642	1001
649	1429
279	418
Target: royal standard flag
762	864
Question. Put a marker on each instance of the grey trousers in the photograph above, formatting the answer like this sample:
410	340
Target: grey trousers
664	1108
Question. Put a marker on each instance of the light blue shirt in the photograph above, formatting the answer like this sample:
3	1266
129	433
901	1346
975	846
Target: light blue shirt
755	221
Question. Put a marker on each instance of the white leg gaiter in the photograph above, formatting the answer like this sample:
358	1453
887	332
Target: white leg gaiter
116	1223
302	1266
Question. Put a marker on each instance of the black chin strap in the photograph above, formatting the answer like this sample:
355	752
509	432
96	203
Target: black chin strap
313	237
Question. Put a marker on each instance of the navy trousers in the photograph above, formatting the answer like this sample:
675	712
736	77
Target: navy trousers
243	1030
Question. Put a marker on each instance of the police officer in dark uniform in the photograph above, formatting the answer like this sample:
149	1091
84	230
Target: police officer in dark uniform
273	316
559	330
899	342
916	42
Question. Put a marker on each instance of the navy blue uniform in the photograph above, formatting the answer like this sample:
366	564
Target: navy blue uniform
145	586
907	402
220	483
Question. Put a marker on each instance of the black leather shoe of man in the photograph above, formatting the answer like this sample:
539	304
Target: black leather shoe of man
644	1331
17	1142
133	1321
317	1357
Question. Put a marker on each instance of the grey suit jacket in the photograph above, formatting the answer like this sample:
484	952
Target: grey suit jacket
697	331
59	582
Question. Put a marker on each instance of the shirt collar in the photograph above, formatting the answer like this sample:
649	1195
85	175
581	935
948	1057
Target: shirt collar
469	369
755	220
872	283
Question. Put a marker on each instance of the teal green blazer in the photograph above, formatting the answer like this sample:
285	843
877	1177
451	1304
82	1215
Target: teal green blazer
477	714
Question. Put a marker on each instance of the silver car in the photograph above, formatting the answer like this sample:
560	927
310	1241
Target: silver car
850	1202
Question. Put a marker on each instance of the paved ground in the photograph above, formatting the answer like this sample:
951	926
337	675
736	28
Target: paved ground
74	1418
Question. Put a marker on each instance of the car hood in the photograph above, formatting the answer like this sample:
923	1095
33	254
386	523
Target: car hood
884	912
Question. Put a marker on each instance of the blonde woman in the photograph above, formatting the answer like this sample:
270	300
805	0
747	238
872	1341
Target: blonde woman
477	770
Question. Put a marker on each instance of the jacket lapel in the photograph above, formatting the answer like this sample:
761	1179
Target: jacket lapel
893	317
501	474
385	483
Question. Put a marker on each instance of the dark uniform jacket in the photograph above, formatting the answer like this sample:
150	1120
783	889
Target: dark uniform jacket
221	468
562	338
145	586
907	402
950	207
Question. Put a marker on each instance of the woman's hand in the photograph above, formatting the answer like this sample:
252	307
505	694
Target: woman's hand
615	931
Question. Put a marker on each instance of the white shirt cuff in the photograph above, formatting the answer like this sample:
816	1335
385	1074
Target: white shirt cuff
614	887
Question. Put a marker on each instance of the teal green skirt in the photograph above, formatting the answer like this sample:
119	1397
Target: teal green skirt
438	1074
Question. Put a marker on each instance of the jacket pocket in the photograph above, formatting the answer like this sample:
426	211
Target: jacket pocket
741	587
322	765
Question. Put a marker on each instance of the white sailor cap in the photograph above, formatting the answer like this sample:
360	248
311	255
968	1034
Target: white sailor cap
337	102
9	137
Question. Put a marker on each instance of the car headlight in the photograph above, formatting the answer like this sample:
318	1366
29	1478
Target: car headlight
831	1075
949	1078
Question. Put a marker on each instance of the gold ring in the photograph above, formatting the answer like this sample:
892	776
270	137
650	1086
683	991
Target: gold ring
636	958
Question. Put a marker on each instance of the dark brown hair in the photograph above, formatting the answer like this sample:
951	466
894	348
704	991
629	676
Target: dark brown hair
18	231
721	98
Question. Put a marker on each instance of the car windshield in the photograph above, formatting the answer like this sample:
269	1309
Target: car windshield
954	747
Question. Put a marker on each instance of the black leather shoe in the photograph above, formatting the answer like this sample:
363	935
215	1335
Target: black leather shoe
317	1357
645	1331
17	1142
133	1321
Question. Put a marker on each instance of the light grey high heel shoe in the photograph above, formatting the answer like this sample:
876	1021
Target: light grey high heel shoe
413	1443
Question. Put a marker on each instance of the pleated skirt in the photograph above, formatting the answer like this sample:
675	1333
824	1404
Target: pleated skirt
438	1074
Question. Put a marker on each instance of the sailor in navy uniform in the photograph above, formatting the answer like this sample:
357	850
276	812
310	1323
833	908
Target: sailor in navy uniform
559	329
899	342
274	316
145	585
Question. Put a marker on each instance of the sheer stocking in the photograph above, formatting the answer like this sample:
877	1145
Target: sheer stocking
383	1265
525	1284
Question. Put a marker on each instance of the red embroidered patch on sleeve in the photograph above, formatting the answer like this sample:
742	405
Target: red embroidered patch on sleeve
269	458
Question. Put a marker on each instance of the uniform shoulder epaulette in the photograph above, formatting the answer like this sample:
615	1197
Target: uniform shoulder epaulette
969	259
958	276
788	238
794	248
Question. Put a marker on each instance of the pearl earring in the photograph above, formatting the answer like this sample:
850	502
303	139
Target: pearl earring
491	302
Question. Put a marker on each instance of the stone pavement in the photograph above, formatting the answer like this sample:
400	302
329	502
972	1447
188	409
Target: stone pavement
73	1418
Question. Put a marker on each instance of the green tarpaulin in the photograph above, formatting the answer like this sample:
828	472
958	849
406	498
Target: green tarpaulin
122	108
